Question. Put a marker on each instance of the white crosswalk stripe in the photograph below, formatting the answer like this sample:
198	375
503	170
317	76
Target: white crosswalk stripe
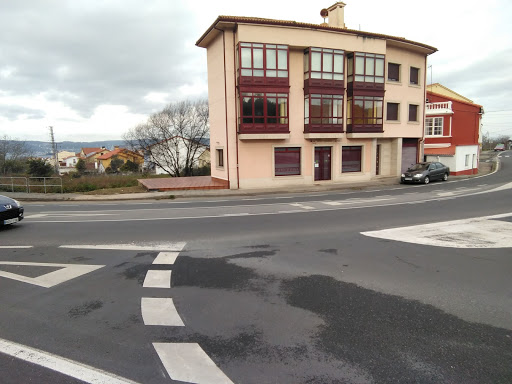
160	311
188	362
157	279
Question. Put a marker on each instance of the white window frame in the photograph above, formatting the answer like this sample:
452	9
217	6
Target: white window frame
436	123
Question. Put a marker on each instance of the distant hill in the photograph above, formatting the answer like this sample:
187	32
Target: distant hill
43	148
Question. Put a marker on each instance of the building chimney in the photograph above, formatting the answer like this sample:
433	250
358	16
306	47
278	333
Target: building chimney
336	15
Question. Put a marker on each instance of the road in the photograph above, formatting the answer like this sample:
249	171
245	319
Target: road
397	285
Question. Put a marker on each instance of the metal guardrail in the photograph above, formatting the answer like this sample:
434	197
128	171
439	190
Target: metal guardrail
32	183
14	183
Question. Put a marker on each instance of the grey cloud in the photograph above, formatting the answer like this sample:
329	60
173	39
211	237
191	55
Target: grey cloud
112	55
15	112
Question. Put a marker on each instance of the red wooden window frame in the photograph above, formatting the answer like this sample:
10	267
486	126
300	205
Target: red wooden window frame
367	75
267	69
325	61
327	111
351	158
261	115
359	115
287	161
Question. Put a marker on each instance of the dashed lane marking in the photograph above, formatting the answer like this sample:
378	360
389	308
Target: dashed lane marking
352	201
16	246
65	273
130	247
188	362
157	279
166	258
299	205
160	311
59	364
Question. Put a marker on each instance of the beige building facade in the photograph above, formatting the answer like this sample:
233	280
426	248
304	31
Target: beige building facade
300	104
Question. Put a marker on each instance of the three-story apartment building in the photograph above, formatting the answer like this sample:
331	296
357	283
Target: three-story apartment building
296	104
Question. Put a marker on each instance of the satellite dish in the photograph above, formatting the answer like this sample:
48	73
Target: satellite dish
324	13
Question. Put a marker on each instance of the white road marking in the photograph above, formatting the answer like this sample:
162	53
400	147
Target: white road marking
166	258
160	311
16	246
478	232
236	214
299	205
458	191
352	201
189	363
65	273
59	364
157	279
130	247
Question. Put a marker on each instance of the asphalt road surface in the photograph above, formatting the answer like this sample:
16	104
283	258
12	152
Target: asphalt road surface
405	284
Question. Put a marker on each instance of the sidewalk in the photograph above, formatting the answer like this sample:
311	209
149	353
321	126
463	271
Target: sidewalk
487	160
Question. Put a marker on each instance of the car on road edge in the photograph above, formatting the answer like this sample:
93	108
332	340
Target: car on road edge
425	173
11	211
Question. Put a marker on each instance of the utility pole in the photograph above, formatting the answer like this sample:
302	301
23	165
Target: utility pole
54	150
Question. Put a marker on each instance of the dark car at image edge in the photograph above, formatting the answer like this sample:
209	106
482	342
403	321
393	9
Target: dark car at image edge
425	173
11	211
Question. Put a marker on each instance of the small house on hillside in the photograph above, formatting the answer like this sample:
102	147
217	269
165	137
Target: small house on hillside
103	162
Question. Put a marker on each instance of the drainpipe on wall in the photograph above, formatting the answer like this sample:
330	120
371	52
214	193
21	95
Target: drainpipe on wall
422	140
236	109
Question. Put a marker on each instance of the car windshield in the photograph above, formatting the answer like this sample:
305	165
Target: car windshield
418	167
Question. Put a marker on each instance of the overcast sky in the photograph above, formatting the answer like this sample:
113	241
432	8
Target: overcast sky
93	69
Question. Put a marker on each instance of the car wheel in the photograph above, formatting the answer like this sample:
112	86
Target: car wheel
426	180
445	177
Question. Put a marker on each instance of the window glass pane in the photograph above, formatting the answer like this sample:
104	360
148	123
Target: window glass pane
414	75
379	79
327	76
337	110
271	106
271	59
358	108
283	59
246	58
316	61
306	62
287	161
349	109
393	72
316	75
413	113
327	64
378	109
360	78
258	72
370	69
271	73
359	66
258	58
350	64
379	67
326	107
392	111
258	106
316	108
338	63
246	72
282	73
257	45
351	159
306	110
368	111
247	106
338	76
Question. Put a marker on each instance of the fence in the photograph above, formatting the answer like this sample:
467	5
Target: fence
14	184
31	184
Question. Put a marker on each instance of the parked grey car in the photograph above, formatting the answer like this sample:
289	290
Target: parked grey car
11	211
425	173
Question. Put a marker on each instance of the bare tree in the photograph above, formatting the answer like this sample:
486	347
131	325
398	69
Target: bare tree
173	138
13	154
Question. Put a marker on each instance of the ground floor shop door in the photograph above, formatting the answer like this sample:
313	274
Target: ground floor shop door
322	163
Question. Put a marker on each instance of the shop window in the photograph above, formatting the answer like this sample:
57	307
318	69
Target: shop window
351	158
287	161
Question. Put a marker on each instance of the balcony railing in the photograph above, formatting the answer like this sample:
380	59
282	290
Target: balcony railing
444	107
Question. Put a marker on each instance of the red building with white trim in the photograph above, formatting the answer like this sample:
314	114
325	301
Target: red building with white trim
452	130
